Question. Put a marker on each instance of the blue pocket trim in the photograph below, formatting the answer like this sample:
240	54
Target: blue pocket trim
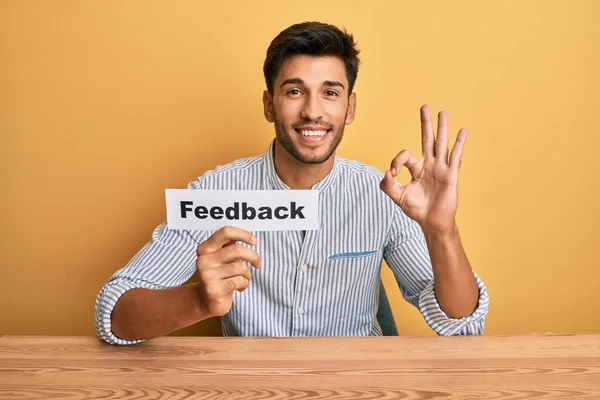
355	254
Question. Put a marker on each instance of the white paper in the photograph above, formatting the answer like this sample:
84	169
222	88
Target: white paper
257	210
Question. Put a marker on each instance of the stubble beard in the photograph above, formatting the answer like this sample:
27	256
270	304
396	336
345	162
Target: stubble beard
284	138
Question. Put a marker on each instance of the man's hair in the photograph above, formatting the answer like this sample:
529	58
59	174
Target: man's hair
313	39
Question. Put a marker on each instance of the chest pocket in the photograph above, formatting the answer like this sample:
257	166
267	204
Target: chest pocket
347	283
349	273
355	254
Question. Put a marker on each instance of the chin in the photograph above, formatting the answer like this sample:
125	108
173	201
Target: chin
312	157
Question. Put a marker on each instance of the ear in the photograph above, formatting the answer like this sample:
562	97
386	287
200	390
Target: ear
268	106
351	112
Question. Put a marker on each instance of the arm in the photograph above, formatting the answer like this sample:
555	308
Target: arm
430	201
146	299
146	313
408	256
455	286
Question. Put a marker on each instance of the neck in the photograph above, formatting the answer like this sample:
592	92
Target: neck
296	174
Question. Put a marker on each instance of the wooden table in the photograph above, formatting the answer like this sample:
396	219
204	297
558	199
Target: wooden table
488	367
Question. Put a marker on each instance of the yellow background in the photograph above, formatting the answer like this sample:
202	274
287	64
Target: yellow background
104	104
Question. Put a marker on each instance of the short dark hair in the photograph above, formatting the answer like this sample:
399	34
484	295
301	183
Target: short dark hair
315	39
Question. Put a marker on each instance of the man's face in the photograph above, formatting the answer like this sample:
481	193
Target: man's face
310	106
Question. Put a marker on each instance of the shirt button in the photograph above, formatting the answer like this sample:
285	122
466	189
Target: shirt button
300	310
303	268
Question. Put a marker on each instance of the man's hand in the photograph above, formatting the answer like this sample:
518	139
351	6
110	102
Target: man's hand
431	198
222	269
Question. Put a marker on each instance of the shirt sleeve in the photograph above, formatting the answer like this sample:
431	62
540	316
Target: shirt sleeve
407	255
168	260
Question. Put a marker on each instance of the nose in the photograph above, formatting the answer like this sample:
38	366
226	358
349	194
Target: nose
313	109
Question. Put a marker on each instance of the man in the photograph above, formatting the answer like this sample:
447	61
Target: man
314	283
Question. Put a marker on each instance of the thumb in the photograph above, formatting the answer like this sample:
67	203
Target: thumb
390	187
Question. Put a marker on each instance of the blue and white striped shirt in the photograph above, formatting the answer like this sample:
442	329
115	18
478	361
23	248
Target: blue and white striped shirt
325	283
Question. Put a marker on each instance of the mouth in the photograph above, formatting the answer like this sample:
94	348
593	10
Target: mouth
312	134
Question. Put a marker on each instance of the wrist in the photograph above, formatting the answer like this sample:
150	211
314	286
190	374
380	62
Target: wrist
198	307
441	235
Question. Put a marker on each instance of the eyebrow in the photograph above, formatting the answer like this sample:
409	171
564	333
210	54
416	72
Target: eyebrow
299	81
292	80
334	83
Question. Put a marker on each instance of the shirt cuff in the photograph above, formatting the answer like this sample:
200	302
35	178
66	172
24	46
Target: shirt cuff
445	326
105	303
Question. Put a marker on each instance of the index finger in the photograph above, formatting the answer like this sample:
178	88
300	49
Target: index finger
225	236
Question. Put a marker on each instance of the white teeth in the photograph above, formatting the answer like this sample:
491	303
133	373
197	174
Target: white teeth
312	133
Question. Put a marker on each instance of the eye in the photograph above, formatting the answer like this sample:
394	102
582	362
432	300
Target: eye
293	92
331	93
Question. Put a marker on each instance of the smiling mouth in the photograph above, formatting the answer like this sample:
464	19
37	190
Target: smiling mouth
312	133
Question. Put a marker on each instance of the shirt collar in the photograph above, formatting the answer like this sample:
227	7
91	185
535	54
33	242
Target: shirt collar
276	183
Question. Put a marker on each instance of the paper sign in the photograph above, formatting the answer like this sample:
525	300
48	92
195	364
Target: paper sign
252	210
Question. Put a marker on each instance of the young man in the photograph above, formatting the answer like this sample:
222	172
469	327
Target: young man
314	283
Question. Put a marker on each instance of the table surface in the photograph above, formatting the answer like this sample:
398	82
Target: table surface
475	367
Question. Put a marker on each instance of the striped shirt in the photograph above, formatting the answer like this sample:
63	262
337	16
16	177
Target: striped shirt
324	282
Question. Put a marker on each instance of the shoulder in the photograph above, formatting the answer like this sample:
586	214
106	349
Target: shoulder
357	172
236	175
361	181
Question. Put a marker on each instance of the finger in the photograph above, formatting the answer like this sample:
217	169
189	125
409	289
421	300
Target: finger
405	158
238	283
233	269
457	150
427	139
223	237
441	142
234	253
391	187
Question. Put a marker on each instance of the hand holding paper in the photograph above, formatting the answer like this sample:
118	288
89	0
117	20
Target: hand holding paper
221	268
